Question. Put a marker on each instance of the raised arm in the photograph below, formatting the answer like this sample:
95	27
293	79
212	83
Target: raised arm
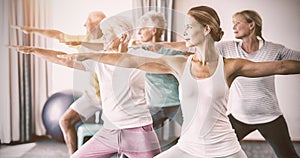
56	34
156	46
175	45
246	68
50	55
92	46
163	65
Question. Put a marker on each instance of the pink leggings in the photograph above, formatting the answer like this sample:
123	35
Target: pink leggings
133	142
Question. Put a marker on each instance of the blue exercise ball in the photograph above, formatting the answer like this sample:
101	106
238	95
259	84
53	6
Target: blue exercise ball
54	108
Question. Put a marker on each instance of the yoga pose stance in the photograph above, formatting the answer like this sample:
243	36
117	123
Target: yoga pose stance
247	95
253	102
127	127
204	79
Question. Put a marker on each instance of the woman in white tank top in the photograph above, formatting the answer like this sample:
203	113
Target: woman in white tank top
204	80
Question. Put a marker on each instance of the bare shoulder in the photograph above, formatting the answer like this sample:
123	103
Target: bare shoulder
237	66
175	58
232	66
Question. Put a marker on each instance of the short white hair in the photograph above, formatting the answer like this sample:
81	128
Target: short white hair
153	19
117	26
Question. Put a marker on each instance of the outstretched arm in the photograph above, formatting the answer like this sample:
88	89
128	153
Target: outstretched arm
175	45
164	65
242	67
156	46
246	68
56	34
92	46
49	55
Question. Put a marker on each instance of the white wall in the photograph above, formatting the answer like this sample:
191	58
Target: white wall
281	24
69	16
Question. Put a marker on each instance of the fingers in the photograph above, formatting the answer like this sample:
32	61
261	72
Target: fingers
13	46
15	27
22	49
25	29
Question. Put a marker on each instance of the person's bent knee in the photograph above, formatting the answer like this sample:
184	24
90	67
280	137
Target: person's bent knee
69	119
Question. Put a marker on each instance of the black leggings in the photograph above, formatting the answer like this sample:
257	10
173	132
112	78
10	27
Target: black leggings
275	132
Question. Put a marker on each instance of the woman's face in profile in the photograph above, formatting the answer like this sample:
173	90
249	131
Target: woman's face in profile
241	28
193	32
146	34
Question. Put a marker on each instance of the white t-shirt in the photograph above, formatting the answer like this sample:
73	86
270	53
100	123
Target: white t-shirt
88	103
254	100
122	94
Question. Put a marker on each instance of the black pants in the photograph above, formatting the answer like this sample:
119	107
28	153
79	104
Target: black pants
275	132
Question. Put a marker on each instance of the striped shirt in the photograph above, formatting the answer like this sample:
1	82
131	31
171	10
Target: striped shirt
254	100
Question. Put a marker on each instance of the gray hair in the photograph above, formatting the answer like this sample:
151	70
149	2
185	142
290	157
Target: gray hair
117	25
153	19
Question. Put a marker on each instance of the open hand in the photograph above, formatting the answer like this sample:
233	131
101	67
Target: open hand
25	29
22	49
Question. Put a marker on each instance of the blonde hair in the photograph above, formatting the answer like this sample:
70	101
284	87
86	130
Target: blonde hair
252	16
208	17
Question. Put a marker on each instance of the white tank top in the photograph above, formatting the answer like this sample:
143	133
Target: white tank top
206	130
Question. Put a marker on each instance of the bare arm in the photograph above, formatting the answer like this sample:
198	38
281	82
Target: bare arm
89	45
51	33
158	45
164	65
50	55
246	68
175	45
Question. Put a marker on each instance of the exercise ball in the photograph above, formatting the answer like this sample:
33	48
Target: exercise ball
54	108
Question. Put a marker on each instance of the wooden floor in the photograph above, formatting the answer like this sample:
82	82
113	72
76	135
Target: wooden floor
47	148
